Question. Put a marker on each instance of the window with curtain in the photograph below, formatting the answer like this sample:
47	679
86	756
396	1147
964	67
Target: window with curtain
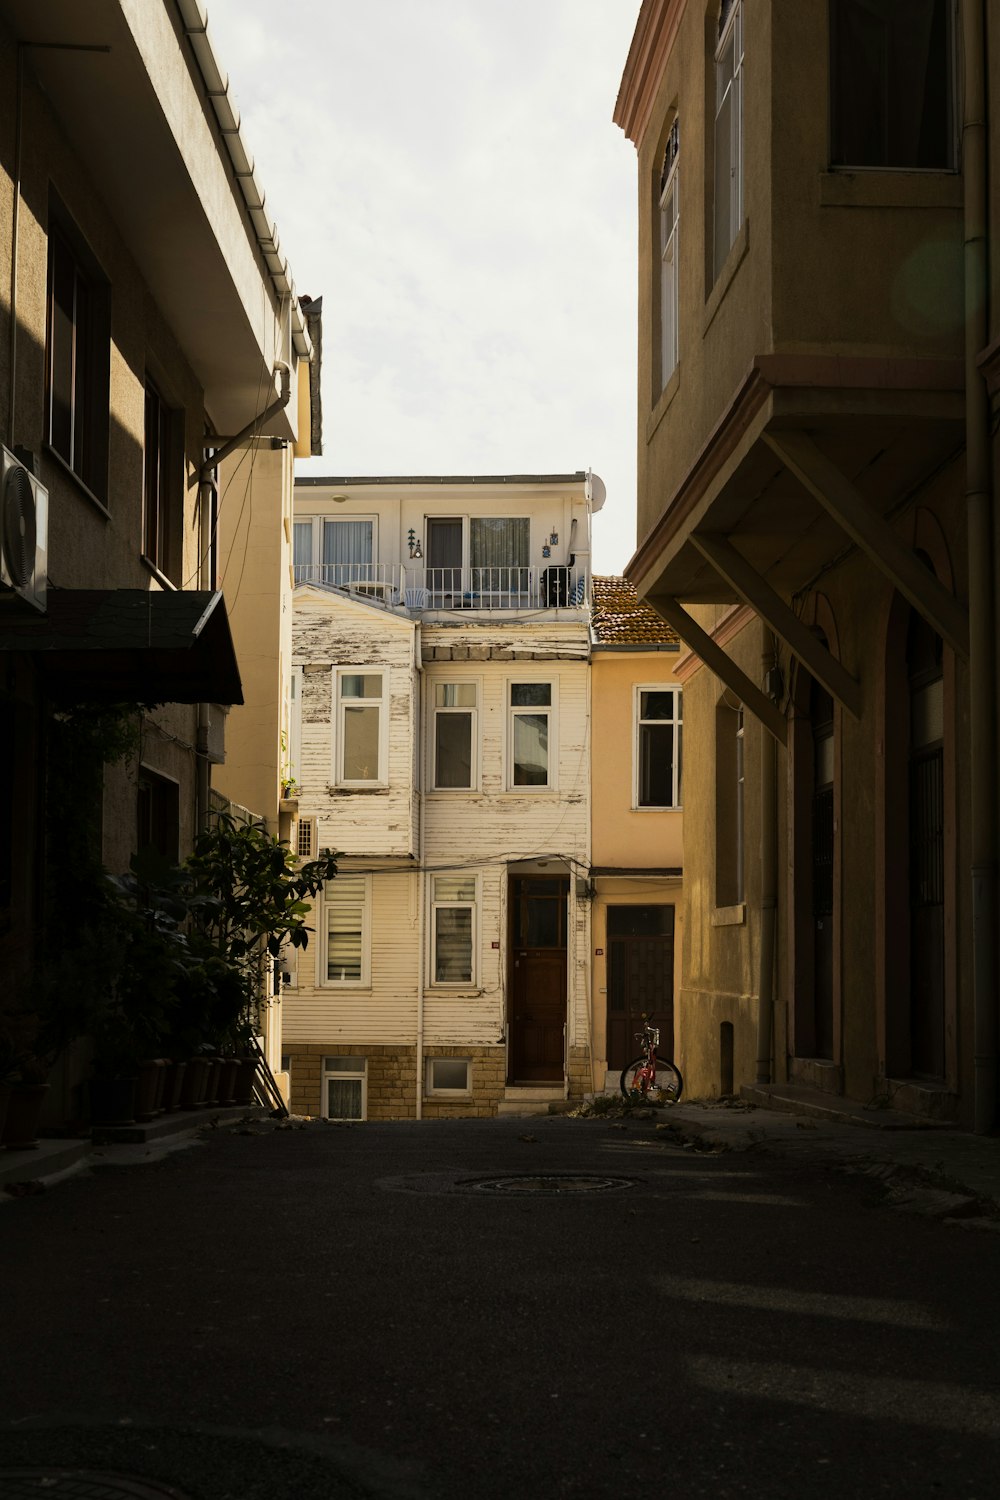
302	551
346	901
347	552
500	552
453	905
530	711
728	130
892	97
361	751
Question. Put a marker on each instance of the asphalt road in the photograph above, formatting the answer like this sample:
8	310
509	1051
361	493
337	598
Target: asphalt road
347	1311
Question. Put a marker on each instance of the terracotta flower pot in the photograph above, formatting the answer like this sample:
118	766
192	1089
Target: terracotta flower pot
214	1068
245	1080
173	1083
112	1101
193	1087
228	1069
148	1085
24	1110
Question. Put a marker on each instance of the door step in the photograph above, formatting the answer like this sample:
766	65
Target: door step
530	1099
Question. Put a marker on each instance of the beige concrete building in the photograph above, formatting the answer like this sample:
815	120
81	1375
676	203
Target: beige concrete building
637	843
816	522
441	744
150	329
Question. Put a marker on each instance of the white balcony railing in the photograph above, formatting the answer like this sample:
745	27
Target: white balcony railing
368	580
554	586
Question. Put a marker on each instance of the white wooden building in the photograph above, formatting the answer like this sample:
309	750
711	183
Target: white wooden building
440	744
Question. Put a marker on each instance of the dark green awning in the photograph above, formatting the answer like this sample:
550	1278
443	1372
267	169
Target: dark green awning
128	646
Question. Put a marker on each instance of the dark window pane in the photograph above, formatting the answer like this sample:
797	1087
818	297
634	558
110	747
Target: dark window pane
62	318
891	94
656	705
656	765
453	750
542	924
640	921
530	694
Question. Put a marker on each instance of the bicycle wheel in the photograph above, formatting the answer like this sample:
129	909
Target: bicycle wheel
665	1089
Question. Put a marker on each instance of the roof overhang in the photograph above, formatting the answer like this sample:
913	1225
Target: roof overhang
138	117
813	459
128	646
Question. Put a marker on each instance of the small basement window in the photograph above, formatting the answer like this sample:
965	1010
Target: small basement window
449	1075
345	1088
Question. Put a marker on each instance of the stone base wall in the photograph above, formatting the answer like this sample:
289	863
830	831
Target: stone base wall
392	1077
580	1072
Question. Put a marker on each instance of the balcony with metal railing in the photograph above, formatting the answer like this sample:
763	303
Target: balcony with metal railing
483	588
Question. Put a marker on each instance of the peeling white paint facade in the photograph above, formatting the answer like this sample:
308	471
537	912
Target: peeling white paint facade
442	748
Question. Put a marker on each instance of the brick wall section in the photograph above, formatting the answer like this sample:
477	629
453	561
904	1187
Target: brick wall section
392	1080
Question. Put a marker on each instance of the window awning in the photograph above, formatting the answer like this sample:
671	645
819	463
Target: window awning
128	646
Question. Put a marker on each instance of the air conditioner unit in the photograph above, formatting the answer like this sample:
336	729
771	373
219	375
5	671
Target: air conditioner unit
24	533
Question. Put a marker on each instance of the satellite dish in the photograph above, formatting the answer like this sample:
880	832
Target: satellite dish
596	491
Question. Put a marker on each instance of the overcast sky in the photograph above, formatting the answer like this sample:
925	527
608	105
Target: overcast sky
447	176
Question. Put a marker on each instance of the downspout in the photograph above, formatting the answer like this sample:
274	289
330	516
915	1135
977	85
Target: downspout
768	879
982	578
421	878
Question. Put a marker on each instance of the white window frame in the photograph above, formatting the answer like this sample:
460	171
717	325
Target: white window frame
316	539
472	905
639	723
340	705
346	1075
669	266
330	898
730	82
551	711
293	758
432	1092
435	710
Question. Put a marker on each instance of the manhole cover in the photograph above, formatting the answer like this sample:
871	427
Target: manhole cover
552	1183
79	1484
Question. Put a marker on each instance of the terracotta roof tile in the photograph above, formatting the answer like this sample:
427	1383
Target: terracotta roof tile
618	618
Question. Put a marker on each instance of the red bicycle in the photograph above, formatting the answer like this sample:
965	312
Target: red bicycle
651	1079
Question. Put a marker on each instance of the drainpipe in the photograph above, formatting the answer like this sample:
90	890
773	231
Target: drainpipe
421	877
982	578
768	881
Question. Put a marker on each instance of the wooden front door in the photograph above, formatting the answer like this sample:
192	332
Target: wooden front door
537	986
640	979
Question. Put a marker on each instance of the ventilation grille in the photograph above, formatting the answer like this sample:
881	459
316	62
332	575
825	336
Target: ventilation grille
305	838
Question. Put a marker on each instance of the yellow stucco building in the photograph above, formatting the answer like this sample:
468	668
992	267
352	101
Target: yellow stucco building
816	522
636	798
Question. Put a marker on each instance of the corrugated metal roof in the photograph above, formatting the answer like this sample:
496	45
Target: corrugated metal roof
619	618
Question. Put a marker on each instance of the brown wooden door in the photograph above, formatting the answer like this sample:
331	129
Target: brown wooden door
640	978
537	979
